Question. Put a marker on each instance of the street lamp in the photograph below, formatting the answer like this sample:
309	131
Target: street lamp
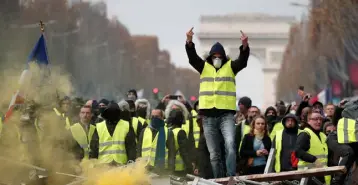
35	25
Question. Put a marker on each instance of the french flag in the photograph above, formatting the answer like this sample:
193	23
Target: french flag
37	55
325	96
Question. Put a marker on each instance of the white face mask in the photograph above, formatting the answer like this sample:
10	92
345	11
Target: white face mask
217	63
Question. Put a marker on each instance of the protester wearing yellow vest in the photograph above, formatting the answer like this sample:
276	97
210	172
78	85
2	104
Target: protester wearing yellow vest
195	129
342	140
152	146
311	147
242	126
64	105
144	145
142	107
113	141
190	127
180	162
217	99
82	133
253	111
281	112
284	144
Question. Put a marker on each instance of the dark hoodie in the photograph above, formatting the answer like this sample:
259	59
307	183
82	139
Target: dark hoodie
112	116
198	64
289	137
272	119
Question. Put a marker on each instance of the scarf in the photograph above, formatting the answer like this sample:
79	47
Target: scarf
158	124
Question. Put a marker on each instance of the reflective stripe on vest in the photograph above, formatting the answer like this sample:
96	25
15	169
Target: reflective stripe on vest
217	88
347	130
179	163
277	127
112	148
152	146
318	148
196	131
278	148
82	138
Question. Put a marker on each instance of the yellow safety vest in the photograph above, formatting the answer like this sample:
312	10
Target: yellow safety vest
277	127
112	148
179	163
278	148
135	123
67	120
144	121
245	129
83	138
196	129
149	146
347	130
217	88
319	149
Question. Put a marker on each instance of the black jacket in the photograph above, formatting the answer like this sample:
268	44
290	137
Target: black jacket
247	146
289	138
198	64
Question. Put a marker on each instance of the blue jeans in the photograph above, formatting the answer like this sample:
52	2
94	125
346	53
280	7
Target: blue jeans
214	128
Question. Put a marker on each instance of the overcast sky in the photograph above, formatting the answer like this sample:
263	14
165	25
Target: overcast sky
170	20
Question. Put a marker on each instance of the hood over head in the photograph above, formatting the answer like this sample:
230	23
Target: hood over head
146	102
176	118
217	48
270	108
104	101
271	120
112	113
169	108
294	117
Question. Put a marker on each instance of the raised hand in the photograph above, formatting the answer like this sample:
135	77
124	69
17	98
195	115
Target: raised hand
244	39
189	35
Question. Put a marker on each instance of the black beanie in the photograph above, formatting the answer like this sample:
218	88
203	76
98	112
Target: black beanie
245	101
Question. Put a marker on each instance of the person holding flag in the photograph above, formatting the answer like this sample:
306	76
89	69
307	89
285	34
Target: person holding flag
37	56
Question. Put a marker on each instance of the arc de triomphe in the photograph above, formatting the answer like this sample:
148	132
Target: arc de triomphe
268	36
